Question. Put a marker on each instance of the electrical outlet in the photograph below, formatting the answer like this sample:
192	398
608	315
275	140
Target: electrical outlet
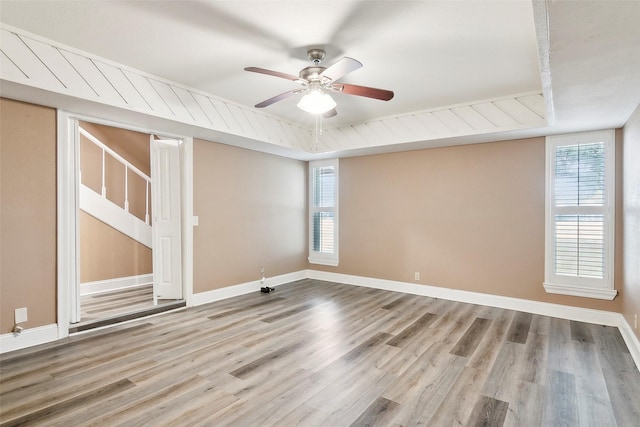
21	315
635	321
262	270
416	275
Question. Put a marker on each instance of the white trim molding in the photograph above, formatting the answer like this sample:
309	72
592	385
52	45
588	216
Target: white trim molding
580	291
28	338
99	286
246	288
630	338
558	233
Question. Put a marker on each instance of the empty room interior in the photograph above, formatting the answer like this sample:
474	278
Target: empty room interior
320	213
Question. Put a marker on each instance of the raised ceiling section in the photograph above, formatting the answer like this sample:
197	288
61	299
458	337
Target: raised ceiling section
35	62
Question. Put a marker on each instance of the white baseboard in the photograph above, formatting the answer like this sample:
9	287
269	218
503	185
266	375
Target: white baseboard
44	334
579	314
98	286
630	339
245	288
28	338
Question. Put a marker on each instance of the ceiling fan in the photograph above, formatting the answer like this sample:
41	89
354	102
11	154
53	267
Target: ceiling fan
317	81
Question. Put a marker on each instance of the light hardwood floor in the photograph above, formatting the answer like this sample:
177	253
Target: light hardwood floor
324	354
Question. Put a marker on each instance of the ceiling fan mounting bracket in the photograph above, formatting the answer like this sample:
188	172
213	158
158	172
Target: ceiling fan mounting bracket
315	55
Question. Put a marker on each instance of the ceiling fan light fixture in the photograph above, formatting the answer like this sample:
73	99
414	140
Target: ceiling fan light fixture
316	102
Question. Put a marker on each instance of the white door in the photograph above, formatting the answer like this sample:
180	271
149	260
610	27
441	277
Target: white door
165	208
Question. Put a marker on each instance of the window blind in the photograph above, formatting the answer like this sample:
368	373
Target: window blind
323	212
579	220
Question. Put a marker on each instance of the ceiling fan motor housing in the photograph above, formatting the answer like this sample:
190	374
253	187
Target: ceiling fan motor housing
311	73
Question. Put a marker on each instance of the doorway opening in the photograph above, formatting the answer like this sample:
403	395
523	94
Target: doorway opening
126	182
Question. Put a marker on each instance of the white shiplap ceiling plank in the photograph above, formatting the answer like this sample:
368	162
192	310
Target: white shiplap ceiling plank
171	99
213	116
381	131
473	118
535	103
415	127
60	67
10	70
519	112
187	99
366	132
495	115
21	55
453	122
123	86
94	78
148	93
225	113
433	124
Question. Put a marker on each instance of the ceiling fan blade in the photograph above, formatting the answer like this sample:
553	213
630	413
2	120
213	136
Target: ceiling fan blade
341	69
277	98
369	92
272	73
330	113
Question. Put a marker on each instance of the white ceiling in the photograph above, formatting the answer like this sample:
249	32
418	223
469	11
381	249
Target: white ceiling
584	56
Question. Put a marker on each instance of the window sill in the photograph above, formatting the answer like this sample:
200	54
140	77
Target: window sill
330	262
580	291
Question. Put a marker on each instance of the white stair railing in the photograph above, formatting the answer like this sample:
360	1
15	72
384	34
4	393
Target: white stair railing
127	167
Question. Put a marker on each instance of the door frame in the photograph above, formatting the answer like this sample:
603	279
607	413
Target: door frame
68	279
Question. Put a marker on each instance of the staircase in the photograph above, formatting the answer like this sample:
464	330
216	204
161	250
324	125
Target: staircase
100	207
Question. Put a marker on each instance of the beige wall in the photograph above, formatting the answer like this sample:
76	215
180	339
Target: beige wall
631	219
133	146
106	253
252	213
27	213
467	217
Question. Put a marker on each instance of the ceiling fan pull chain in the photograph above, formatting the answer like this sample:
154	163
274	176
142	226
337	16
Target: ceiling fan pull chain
317	121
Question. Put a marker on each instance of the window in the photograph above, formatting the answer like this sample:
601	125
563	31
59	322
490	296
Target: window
579	226
323	212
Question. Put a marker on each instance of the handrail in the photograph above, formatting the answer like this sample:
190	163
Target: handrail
127	166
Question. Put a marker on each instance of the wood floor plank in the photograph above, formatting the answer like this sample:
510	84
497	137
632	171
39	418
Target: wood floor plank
317	353
526	405
488	412
536	350
580	332
456	408
409	332
519	329
379	413
561	405
466	346
507	368
45	413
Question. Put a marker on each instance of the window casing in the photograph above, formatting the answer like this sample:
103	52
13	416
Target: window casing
323	212
580	217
